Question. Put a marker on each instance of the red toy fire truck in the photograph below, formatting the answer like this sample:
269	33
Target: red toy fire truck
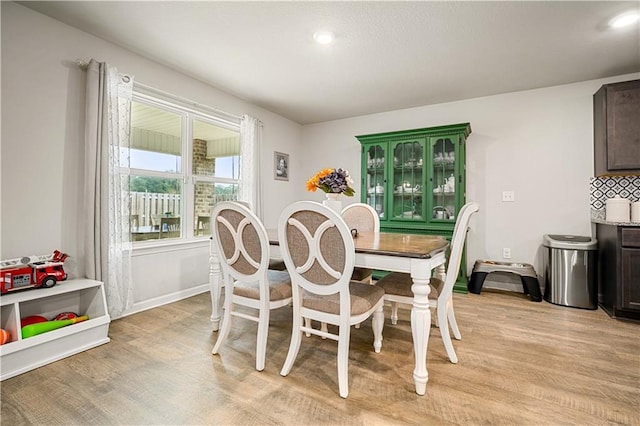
33	271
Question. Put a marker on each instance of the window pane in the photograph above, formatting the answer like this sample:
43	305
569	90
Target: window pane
206	196
155	139
216	151
156	208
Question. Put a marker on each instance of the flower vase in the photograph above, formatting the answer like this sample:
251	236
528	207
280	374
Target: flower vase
333	202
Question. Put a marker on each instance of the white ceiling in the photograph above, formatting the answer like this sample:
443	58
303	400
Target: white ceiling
386	56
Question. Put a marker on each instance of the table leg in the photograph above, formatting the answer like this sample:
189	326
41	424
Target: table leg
420	329
215	282
441	272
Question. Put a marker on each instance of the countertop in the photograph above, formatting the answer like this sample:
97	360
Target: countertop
606	222
598	216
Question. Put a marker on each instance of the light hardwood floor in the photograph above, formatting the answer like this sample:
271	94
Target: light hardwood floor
521	363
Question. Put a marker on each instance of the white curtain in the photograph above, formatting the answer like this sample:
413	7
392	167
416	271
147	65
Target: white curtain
107	131
250	189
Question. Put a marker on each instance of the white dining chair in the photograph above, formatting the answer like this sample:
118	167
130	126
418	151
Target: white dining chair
319	252
397	286
275	263
363	218
134	222
243	249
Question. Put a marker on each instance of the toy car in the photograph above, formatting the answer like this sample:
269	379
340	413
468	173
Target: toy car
32	272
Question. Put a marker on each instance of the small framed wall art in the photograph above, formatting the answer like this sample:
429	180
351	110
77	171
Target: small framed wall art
280	166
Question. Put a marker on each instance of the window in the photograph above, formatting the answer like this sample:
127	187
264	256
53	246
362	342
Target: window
181	162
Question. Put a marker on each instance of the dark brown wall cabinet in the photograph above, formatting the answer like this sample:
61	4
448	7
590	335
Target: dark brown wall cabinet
616	125
619	266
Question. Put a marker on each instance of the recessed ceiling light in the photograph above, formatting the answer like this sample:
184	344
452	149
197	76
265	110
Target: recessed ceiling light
323	37
624	19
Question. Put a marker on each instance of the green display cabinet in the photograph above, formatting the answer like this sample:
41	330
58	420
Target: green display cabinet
415	180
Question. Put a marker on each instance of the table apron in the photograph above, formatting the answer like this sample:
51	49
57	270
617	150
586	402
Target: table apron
418	268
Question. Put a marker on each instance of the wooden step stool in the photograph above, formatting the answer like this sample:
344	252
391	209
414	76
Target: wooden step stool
526	272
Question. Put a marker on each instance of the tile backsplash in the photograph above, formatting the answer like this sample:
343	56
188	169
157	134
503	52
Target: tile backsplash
604	187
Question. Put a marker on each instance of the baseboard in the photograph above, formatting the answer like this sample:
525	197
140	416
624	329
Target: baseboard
166	299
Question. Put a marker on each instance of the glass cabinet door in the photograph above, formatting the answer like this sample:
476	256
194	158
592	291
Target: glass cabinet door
415	179
375	179
408	179
443	185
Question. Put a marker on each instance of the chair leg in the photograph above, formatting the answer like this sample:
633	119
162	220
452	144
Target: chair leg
394	313
377	323
452	321
294	346
343	359
444	332
224	330
261	341
307	323
323	327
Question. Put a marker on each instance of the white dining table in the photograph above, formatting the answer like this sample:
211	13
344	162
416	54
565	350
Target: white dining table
418	255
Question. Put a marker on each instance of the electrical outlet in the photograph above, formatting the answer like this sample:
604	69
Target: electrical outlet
506	253
508	196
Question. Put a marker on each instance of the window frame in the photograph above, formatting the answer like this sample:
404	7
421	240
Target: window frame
188	112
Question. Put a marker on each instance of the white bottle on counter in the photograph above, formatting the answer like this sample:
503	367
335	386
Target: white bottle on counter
617	209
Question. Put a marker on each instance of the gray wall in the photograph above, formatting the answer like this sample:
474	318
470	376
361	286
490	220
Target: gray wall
537	143
42	149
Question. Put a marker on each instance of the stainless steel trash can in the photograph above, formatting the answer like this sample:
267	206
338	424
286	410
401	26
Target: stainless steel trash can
570	263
